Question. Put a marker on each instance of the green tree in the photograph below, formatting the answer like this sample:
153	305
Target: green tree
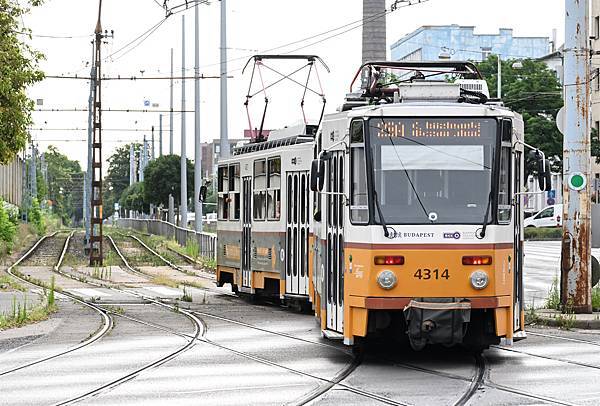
8	226
533	91
117	177
65	184
133	198
36	217
162	177
18	70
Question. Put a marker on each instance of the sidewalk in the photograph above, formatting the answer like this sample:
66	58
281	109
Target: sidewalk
555	318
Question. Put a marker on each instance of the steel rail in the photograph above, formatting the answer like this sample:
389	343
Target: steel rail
477	381
107	324
199	332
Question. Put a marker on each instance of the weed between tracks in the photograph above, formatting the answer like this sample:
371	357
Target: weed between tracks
25	312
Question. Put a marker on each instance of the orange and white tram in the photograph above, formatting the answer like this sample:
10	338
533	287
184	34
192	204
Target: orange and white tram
413	226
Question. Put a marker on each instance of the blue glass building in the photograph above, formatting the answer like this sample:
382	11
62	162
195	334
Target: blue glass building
432	42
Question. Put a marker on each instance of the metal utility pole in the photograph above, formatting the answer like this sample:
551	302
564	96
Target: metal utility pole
160	140
197	145
499	77
183	173
33	172
88	175
224	140
576	242
171	109
96	252
152	150
131	165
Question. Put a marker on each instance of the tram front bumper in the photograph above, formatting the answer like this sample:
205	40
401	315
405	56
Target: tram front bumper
436	321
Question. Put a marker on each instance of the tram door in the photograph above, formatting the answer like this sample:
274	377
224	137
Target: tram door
518	260
246	232
335	242
296	266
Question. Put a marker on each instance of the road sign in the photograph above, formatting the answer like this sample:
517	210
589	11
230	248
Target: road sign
550	201
577	181
146	103
560	120
552	194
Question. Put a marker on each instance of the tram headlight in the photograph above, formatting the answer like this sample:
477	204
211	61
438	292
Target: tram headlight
387	279
479	280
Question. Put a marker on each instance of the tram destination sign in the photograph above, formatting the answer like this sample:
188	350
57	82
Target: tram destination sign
431	128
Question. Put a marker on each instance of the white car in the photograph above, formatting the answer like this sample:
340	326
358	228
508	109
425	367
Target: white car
210	218
550	216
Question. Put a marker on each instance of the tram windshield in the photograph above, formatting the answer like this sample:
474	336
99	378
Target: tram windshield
433	170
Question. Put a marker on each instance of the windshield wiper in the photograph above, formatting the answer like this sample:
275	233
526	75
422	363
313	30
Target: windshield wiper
485	217
380	212
386	233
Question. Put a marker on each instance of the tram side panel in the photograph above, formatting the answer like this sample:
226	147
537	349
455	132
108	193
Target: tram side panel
265	247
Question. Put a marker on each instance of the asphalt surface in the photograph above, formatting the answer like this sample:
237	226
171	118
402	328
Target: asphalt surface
265	354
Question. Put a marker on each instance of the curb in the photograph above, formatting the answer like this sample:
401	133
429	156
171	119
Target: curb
547	320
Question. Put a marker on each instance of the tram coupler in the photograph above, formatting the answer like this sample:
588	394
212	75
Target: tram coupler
436	321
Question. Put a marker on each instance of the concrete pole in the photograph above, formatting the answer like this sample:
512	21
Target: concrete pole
224	140
373	33
131	165
171	209
171	109
34	171
183	175
499	77
576	243
160	139
197	145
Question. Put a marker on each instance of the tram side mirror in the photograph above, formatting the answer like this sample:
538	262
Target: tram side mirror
202	194
317	175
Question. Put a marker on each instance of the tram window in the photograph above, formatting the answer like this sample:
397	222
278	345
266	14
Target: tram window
504	198
222	179
234	191
260	192
274	189
359	209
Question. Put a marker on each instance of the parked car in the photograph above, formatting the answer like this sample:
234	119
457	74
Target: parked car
210	218
550	216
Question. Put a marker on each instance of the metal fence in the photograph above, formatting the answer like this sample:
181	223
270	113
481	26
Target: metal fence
11	182
207	242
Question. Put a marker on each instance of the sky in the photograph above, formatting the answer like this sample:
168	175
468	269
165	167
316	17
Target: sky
253	26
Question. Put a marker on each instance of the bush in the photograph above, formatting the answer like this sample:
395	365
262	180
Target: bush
36	218
8	225
548	233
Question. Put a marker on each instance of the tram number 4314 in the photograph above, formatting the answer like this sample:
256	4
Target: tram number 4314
426	273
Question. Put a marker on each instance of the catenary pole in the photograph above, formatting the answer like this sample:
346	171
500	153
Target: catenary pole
576	242
183	173
197	145
160	139
224	139
171	109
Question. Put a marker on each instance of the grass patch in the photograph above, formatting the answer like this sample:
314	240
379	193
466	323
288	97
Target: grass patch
165	280
546	233
23	313
187	297
8	283
115	309
596	299
553	299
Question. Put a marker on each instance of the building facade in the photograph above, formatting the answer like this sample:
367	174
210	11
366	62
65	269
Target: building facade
455	42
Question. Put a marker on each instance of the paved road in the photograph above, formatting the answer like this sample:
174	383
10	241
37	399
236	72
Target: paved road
541	268
263	354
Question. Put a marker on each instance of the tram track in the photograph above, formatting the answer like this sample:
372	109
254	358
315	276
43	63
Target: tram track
478	380
107	321
191	340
